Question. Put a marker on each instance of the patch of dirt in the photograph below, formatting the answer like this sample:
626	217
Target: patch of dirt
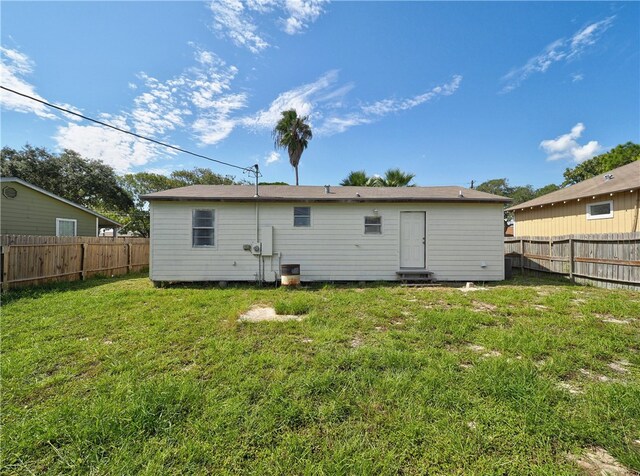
443	305
259	314
569	387
578	301
107	342
476	348
356	342
492	353
598	462
380	328
540	307
466	366
591	375
397	322
470	287
610	319
620	366
479	306
543	293
306	340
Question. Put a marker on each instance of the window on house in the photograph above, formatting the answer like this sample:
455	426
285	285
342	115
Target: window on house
596	211
203	228
301	216
66	227
373	225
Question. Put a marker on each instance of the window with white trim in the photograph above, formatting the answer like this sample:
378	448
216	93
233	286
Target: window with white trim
597	211
302	216
373	225
66	227
203	228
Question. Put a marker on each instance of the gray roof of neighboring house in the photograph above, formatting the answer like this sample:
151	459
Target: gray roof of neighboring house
290	193
624	178
103	219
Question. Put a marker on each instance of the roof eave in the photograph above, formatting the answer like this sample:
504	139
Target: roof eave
326	200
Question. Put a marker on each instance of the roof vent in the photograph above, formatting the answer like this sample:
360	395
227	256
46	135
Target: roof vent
608	177
9	192
327	189
460	194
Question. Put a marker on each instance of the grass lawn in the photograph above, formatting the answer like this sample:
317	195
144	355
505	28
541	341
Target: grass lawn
118	377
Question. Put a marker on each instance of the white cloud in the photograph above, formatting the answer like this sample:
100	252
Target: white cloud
237	19
563	49
575	77
301	13
368	113
114	148
14	66
566	146
272	158
198	99
303	99
231	19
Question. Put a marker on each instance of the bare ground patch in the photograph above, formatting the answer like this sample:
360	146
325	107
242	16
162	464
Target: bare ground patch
259	314
598	462
479	306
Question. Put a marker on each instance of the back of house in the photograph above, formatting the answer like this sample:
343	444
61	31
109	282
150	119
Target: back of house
228	233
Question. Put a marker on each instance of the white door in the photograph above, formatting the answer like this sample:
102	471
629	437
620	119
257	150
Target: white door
412	240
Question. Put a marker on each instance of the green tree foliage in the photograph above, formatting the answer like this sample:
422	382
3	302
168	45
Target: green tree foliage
391	178
90	183
292	133
137	220
620	155
357	178
518	194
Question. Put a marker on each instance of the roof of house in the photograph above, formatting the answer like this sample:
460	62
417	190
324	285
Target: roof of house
288	193
103	220
621	179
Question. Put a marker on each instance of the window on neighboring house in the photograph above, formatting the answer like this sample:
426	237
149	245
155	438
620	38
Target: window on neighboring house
596	211
203	228
66	227
302	216
373	225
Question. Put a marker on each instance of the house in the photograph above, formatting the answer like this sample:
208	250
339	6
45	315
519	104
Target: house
29	210
228	233
607	203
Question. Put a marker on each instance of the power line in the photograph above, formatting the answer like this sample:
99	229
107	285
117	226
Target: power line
252	169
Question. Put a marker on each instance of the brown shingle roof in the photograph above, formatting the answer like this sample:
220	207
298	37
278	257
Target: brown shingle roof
624	178
287	193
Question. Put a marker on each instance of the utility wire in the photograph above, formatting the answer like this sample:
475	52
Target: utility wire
252	169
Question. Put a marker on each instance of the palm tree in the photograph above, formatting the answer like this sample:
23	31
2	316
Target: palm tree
293	133
395	178
358	178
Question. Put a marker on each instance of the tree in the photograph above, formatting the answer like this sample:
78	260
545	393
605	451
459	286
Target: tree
357	178
517	194
292	133
391	178
620	155
395	178
90	183
137	220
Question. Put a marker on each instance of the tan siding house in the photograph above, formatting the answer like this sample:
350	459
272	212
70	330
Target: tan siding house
608	203
29	210
209	233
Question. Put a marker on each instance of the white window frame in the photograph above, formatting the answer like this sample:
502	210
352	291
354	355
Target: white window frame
214	228
600	217
294	218
75	226
379	232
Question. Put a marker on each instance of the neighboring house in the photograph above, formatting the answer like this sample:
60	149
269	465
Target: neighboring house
508	231
29	210
607	203
226	233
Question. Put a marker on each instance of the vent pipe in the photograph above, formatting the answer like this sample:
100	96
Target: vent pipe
327	189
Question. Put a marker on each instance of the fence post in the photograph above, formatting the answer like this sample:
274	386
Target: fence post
571	254
129	264
521	256
83	259
5	267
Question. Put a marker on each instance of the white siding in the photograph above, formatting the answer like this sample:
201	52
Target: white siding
460	237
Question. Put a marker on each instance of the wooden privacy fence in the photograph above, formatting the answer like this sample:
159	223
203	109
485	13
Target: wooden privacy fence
35	260
607	260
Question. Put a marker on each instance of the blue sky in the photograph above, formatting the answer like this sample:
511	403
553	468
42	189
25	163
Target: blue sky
452	92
